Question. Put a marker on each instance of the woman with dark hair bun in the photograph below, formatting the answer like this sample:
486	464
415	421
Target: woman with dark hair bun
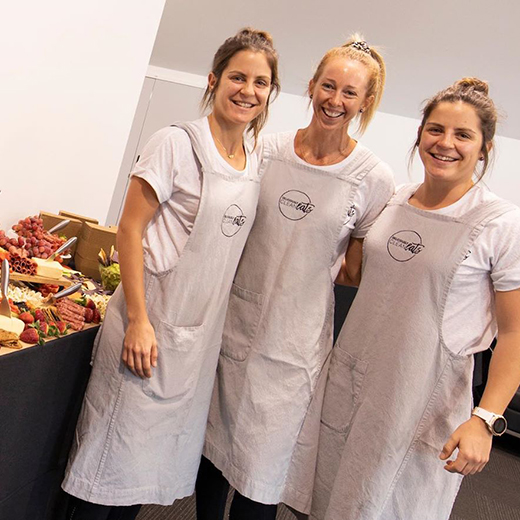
440	278
321	190
190	205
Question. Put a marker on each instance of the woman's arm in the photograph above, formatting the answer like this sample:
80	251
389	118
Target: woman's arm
350	272
472	438
140	347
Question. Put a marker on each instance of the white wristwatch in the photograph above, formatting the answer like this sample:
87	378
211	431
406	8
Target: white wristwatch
496	424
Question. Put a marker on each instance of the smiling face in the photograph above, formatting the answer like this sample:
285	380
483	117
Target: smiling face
339	93
451	143
244	87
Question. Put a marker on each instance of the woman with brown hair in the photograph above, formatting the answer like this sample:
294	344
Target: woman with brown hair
320	188
190	205
440	278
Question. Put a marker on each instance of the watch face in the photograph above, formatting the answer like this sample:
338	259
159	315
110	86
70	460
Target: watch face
499	426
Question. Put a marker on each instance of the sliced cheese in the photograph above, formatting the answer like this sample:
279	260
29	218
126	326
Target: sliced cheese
12	324
49	269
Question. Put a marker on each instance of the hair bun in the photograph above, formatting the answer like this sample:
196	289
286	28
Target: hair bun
474	83
353	38
262	35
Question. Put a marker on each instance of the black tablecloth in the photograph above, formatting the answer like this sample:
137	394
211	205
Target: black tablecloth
41	391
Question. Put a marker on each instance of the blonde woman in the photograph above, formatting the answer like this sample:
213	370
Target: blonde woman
321	188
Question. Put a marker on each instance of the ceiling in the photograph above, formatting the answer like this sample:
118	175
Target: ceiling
427	45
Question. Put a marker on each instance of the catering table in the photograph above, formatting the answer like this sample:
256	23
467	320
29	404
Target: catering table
41	391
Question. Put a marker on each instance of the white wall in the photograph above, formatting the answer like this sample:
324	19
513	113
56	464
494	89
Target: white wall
161	104
72	73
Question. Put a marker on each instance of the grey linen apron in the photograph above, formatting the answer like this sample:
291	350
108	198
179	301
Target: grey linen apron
395	393
140	441
278	330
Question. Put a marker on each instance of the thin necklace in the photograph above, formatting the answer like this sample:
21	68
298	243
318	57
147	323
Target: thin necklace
329	160
230	155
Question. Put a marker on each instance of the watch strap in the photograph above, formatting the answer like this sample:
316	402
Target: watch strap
486	416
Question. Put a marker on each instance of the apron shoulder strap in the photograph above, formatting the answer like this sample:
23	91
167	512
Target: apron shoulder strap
477	218
278	147
403	194
196	143
486	212
202	156
265	155
364	164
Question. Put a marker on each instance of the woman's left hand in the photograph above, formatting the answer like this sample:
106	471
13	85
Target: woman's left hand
473	439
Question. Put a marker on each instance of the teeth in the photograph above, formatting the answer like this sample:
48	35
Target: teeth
243	105
444	158
332	113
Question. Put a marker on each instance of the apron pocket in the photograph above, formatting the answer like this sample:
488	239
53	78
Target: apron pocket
179	361
345	380
242	319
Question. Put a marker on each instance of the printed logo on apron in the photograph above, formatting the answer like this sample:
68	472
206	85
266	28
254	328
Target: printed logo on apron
295	205
232	220
404	245
351	212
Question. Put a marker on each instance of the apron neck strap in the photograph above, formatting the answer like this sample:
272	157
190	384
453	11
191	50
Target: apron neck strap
196	143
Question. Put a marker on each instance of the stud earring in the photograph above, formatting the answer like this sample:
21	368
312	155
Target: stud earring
361	110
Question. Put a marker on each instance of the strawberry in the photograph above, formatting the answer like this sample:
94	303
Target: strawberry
39	316
97	316
43	326
89	314
26	317
62	327
30	335
90	304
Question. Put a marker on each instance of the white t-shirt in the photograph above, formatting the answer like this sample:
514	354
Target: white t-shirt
492	264
167	163
371	197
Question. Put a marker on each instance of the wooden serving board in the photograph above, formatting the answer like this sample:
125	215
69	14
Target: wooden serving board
65	282
5	350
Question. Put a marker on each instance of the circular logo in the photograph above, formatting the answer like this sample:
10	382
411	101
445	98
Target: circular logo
295	205
350	213
232	220
404	245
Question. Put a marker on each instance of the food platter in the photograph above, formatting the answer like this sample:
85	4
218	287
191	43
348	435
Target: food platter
5	350
46	300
